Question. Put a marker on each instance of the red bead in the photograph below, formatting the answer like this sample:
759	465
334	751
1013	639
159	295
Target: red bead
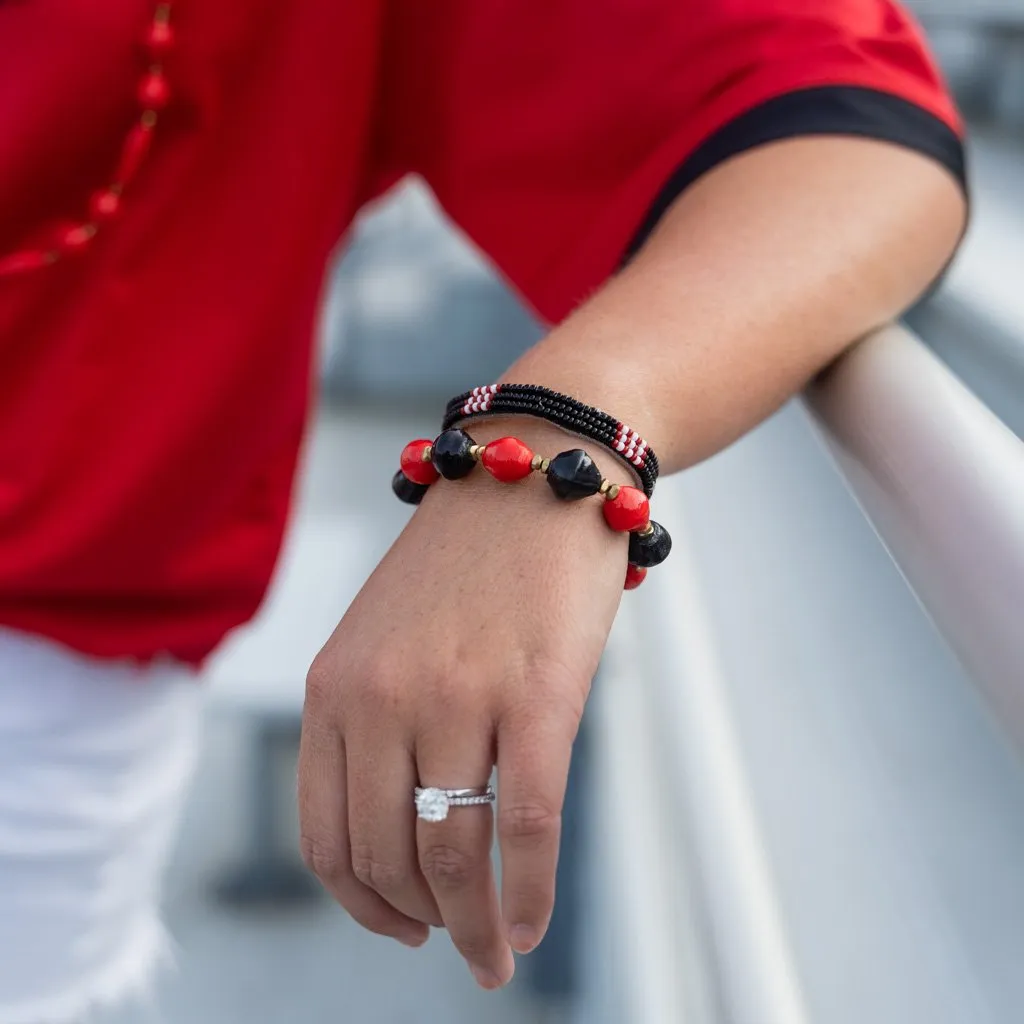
635	575
104	205
154	92
160	37
134	151
18	262
507	459
413	466
628	510
78	237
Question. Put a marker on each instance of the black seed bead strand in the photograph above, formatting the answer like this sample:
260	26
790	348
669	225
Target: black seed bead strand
532	395
563	412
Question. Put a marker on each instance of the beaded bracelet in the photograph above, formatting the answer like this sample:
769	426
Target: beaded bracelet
564	411
572	475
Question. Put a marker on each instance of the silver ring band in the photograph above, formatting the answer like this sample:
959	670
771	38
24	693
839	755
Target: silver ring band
433	804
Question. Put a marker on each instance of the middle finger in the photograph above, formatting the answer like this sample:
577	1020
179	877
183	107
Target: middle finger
382	824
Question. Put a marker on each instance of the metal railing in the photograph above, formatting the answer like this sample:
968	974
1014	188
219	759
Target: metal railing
941	479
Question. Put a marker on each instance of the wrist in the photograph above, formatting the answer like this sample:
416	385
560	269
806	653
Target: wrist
574	476
564	362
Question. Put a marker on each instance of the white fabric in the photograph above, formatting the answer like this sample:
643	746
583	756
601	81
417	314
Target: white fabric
95	759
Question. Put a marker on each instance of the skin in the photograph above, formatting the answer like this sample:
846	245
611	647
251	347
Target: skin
475	640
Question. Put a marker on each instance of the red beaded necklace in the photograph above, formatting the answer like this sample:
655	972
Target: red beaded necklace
153	95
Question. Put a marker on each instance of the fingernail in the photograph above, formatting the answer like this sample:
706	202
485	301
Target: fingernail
414	941
484	977
523	938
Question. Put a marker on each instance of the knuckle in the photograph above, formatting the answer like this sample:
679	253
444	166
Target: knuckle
447	866
377	874
380	695
320	685
528	822
374	687
553	689
324	858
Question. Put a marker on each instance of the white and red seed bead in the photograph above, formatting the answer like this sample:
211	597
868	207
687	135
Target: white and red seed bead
635	575
480	399
627	510
414	466
630	445
507	459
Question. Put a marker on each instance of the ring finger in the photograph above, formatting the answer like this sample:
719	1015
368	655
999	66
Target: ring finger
455	854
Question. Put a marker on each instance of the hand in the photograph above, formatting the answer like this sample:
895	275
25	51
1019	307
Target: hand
472	644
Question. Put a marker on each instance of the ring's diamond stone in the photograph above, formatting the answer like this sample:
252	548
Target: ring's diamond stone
432	804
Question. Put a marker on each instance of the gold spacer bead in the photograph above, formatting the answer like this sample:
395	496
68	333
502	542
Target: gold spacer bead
536	462
544	465
612	493
603	489
477	451
647	530
427	454
148	119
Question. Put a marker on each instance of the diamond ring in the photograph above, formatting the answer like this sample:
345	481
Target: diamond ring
433	804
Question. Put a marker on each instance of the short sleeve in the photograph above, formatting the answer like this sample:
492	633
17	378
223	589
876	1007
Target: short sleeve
556	133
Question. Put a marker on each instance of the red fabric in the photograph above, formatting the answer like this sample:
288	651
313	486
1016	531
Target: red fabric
153	390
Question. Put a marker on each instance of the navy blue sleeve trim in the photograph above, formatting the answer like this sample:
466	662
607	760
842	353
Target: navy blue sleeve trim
824	110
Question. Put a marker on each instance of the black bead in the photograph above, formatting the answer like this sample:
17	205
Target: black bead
650	549
407	491
451	454
573	475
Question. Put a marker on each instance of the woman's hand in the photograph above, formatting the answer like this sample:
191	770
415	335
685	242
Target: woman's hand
472	644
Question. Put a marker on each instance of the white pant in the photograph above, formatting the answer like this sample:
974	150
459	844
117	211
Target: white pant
95	759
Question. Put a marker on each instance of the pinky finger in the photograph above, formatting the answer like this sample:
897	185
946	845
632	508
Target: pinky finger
323	816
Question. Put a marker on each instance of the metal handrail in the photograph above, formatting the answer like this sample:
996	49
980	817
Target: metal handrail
708	936
941	479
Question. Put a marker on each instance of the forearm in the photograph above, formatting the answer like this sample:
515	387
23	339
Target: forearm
760	274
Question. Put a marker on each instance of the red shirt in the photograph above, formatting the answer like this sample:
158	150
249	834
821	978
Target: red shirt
154	386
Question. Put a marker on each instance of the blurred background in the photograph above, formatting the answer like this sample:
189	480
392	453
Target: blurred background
850	820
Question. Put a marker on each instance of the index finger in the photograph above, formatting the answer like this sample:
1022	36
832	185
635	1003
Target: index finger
534	748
